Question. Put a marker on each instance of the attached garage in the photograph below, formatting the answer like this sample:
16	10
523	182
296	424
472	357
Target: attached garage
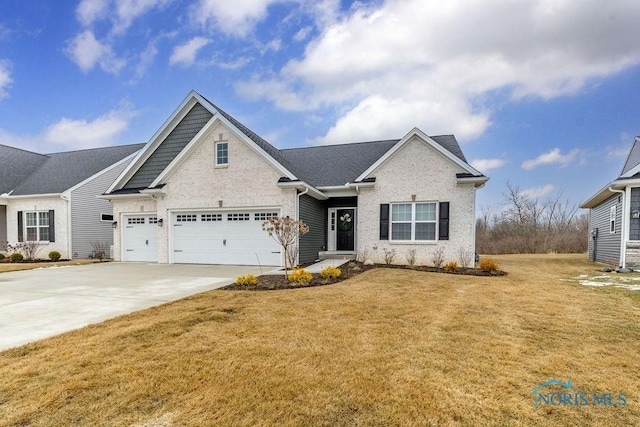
140	238
223	237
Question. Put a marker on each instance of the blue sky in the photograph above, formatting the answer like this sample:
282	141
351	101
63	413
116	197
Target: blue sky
544	94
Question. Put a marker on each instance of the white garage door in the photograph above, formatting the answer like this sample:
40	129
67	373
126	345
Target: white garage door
140	238
223	238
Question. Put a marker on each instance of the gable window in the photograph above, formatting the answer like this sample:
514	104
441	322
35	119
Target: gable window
222	153
612	219
413	221
37	226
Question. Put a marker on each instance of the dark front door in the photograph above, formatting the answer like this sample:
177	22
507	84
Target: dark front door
346	229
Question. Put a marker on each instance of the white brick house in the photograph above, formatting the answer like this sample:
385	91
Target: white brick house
202	186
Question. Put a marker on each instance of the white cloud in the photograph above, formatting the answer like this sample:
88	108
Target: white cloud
236	18
383	61
5	78
186	53
538	192
129	10
83	133
121	12
485	165
552	157
89	11
302	34
86	51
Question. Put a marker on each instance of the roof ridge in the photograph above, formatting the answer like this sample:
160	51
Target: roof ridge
95	148
22	149
341	144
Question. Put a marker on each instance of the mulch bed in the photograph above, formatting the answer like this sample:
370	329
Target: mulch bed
270	282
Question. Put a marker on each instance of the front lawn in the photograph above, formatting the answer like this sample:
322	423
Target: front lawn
386	347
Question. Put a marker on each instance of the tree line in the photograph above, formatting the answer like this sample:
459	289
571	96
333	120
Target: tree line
530	225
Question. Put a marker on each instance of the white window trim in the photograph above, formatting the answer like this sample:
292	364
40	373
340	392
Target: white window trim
612	219
413	222
37	226
221	165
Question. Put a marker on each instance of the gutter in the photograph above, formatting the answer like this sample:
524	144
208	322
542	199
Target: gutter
303	186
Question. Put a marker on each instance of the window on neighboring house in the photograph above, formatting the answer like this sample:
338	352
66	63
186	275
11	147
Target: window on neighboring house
222	153
106	217
413	221
37	226
612	219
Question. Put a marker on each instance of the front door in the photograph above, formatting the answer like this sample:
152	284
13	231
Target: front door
345	230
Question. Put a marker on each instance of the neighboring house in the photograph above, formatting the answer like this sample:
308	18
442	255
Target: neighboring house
52	198
203	185
614	216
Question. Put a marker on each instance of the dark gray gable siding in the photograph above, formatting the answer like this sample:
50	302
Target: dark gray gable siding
608	244
86	227
3	226
172	145
313	213
634	223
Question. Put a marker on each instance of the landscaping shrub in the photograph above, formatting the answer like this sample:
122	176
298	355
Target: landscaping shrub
488	264
16	257
1	257
54	256
389	255
247	280
437	258
300	277
330	273
451	267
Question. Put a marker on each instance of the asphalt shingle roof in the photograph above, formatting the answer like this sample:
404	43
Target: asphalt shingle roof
332	165
57	172
633	159
16	165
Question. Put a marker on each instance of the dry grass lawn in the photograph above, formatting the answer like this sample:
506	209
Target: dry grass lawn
10	266
388	347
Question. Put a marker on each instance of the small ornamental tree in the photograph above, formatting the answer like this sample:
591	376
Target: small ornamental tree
286	231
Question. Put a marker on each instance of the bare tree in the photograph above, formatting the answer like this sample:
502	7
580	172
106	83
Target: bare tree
286	231
529	225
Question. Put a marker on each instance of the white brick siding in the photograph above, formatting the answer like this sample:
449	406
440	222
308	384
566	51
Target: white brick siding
417	169
249	180
57	204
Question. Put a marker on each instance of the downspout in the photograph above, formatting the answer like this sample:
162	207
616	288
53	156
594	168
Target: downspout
623	228
69	227
306	190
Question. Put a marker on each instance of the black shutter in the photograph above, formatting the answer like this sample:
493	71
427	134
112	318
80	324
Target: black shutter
443	225
52	227
384	221
20	227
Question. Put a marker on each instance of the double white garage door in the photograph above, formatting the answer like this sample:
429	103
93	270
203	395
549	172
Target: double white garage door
205	238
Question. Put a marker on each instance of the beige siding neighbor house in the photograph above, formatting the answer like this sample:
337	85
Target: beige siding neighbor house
200	189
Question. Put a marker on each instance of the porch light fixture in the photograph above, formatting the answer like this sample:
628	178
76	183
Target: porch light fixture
114	224
635	213
160	222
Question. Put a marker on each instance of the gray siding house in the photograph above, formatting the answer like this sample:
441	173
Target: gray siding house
52	198
614	216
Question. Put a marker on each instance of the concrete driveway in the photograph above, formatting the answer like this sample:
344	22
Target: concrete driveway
36	304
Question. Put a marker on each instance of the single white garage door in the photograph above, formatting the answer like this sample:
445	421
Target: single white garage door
223	238
140	238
